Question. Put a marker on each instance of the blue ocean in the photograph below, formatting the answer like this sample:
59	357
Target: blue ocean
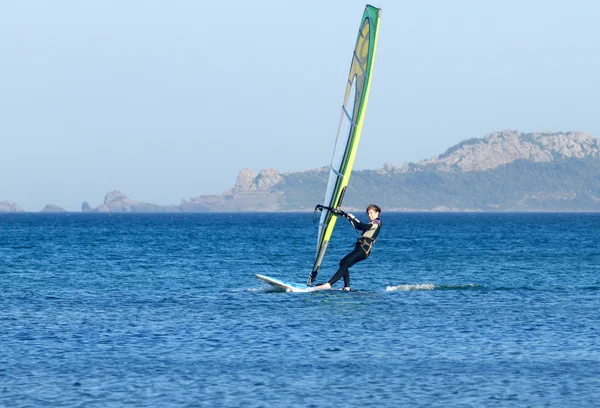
164	310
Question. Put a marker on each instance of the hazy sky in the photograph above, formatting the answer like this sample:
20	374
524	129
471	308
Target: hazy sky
169	100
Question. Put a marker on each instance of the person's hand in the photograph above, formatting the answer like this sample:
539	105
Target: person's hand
349	216
338	212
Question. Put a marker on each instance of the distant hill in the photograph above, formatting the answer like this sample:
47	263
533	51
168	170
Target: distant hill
504	171
502	148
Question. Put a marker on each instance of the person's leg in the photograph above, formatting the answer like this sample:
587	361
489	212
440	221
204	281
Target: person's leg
347	279
351	259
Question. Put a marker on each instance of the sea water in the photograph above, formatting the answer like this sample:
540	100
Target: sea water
164	310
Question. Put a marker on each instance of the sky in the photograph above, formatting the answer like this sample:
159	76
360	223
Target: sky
169	100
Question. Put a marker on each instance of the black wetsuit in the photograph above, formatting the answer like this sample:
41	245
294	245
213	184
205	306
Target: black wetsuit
362	249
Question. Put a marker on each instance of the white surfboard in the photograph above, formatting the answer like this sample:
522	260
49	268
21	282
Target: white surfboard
288	286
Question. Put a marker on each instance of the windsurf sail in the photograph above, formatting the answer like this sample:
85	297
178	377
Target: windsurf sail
349	128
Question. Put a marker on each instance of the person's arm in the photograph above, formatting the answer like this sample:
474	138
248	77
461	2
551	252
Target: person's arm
356	223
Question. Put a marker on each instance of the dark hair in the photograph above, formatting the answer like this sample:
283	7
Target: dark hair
373	207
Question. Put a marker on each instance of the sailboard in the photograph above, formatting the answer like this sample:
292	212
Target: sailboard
349	129
287	286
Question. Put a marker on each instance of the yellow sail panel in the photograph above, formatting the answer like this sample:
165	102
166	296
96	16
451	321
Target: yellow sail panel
349	128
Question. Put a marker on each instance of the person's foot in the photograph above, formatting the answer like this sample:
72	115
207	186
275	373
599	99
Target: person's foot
323	286
347	288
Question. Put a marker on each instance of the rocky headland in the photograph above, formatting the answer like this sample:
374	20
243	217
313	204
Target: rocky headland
503	171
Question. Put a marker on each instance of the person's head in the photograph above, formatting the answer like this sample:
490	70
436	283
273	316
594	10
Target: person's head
373	212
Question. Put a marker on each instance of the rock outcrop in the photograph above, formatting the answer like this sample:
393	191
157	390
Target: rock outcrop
53	209
249	182
252	192
115	201
501	148
244	182
6	206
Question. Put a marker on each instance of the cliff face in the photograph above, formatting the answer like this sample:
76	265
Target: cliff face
248	182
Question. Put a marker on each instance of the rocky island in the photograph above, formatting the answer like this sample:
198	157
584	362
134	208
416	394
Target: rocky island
115	201
6	206
51	208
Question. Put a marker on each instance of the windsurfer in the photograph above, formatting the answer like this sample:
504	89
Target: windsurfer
363	247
